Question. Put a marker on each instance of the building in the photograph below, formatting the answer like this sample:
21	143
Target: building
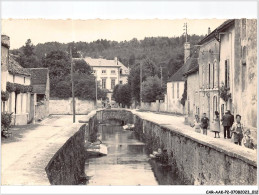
108	73
238	69
175	85
41	87
209	75
16	81
192	106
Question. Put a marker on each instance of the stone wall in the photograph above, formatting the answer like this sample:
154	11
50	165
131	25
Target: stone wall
41	111
67	165
111	114
195	161
65	106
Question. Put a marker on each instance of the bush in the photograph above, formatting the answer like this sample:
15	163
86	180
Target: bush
4	96
6	119
18	88
224	94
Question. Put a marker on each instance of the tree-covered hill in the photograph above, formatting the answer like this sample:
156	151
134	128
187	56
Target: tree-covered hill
163	51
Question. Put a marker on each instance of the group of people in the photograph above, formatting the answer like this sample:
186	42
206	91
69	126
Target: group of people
231	128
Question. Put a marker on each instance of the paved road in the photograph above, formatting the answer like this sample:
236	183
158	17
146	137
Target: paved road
24	161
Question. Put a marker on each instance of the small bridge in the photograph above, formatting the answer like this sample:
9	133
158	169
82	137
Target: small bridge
122	116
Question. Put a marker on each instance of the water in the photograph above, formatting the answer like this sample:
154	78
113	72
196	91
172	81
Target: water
127	162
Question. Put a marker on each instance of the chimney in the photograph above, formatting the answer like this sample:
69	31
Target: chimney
5	41
209	31
116	60
187	52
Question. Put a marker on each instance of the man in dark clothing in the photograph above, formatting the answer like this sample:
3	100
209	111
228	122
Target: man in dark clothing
227	122
204	123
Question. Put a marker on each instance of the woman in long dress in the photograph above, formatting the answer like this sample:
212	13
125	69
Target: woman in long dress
216	125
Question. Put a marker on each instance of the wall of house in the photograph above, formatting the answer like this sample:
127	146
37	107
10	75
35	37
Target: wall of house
192	103
108	75
65	106
245	74
174	100
209	87
123	79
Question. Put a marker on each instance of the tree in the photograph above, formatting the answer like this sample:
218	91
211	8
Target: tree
26	57
122	94
152	89
28	49
58	63
134	82
82	67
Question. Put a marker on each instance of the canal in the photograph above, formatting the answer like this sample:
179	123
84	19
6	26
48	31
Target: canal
127	162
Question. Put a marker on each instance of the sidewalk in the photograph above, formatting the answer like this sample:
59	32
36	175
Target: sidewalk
24	160
176	122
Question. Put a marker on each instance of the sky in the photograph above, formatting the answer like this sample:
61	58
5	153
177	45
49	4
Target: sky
48	21
40	30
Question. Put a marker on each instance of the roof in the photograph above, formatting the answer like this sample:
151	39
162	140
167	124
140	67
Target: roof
15	68
102	62
39	89
178	76
39	76
192	63
210	36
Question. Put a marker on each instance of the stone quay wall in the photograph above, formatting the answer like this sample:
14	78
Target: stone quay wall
196	161
67	165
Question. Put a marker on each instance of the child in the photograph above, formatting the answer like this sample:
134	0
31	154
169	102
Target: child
237	129
196	124
247	140
216	125
204	123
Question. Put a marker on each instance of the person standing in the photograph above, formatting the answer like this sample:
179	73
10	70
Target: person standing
216	125
238	130
227	121
204	123
196	124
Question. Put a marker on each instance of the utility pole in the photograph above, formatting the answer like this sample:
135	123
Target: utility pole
185	29
140	83
96	87
72	81
161	71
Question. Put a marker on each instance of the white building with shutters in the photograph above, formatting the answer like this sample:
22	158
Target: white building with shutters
109	73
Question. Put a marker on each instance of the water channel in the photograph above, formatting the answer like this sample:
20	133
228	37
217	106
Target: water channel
127	162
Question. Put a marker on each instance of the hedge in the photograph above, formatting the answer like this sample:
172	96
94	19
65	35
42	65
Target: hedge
18	88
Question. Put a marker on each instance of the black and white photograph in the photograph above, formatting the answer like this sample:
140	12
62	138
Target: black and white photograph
112	93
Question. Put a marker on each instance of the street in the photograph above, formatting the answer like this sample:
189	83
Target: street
24	161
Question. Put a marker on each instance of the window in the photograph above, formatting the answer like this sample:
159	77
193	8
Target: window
23	79
112	83
103	71
215	105
113	72
209	78
120	71
213	75
104	83
178	90
13	78
227	73
120	82
222	110
244	71
173	90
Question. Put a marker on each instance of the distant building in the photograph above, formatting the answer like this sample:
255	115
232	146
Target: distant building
175	85
18	80
41	87
192	105
108	73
